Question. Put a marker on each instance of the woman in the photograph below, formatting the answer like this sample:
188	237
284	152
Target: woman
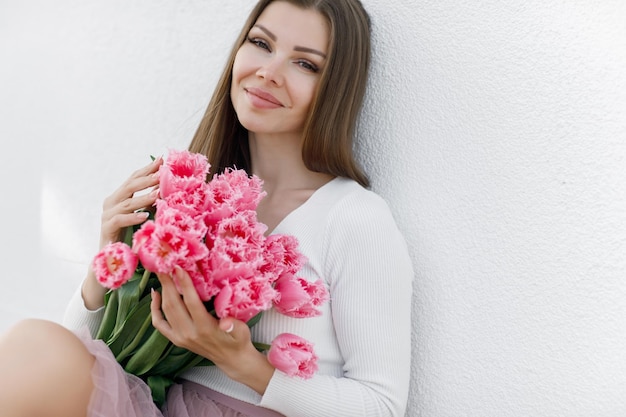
285	109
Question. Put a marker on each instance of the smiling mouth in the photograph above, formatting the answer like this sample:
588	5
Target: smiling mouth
264	96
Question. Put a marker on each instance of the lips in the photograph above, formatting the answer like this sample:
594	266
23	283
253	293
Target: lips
264	96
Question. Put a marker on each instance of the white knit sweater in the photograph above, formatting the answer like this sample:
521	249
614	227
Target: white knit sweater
363	337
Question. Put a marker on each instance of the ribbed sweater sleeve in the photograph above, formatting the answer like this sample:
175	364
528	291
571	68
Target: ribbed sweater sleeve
369	273
77	315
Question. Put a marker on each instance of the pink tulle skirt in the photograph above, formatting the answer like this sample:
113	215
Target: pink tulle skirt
119	394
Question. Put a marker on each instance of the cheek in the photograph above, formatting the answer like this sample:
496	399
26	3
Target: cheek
236	71
236	76
244	63
306	93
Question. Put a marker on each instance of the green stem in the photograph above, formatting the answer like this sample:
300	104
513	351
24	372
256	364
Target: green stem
144	281
128	235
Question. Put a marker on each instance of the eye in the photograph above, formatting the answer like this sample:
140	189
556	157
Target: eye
307	65
259	43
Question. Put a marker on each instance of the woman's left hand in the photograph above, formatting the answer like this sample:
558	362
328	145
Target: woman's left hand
185	321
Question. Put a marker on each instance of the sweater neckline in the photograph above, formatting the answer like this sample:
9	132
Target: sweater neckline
317	194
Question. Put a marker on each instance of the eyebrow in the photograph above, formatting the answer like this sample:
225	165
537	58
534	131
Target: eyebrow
295	48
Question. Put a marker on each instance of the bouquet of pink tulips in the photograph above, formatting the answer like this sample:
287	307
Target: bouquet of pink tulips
210	230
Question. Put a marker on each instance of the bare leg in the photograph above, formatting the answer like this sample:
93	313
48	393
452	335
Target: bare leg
45	370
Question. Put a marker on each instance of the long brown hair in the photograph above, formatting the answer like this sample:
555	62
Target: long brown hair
329	128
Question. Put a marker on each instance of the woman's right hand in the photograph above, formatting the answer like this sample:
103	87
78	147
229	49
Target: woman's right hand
118	212
120	208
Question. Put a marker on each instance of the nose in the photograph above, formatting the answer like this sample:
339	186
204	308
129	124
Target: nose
272	71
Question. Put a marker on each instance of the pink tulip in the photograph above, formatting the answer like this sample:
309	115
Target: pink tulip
161	247
181	171
180	218
202	279
282	256
237	190
193	200
298	297
242	226
114	265
293	355
243	298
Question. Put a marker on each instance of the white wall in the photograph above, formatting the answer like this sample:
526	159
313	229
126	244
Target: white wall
496	130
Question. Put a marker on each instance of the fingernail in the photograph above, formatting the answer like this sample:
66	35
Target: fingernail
231	328
143	214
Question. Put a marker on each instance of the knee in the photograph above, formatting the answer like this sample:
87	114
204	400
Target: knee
23	332
42	362
27	326
40	343
29	333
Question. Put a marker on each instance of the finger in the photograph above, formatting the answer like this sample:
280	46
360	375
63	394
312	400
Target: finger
113	221
153	166
177	324
173	304
227	324
139	180
166	282
158	320
234	330
114	225
128	198
147	170
183	283
115	208
190	296
170	296
136	202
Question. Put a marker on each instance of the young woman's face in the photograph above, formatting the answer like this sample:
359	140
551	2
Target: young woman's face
277	69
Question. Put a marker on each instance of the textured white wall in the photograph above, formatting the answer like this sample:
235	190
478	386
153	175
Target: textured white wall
495	129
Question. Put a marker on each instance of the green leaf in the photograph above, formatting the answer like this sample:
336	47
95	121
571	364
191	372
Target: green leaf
175	362
128	235
158	386
110	314
128	295
129	348
194	360
261	347
131	327
148	354
254	320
